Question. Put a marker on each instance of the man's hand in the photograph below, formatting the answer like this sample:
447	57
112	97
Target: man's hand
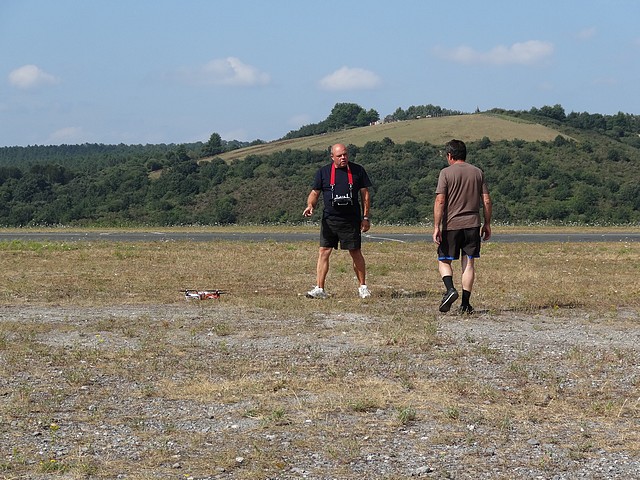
485	232
437	236
312	201
365	225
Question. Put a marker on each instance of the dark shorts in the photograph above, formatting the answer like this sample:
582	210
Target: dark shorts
346	232
453	242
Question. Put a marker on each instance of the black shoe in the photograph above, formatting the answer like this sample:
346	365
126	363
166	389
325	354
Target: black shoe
465	310
448	299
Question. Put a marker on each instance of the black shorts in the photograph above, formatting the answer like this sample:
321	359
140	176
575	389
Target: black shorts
453	242
346	232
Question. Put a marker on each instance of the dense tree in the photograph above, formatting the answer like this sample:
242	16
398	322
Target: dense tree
556	112
213	146
421	111
344	115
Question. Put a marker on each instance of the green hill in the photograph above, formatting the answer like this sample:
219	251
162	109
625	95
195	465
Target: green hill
435	130
541	166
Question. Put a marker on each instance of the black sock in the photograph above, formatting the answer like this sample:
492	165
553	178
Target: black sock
466	295
448	282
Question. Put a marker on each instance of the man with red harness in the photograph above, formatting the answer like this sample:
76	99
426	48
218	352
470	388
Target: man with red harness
343	219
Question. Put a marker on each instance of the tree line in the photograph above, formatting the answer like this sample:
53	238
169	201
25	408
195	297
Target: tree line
592	181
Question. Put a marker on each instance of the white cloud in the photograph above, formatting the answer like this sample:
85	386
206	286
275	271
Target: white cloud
546	86
525	53
69	135
347	78
30	76
229	71
586	33
298	121
606	81
239	134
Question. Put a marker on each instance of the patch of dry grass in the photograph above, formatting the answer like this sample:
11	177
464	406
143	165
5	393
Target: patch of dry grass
516	276
100	353
436	131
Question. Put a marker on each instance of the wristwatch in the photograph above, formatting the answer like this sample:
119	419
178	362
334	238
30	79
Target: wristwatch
365	218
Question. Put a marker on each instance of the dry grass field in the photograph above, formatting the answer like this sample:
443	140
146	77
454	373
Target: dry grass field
436	131
106	371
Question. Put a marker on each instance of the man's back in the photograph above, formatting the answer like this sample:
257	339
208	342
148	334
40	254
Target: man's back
463	185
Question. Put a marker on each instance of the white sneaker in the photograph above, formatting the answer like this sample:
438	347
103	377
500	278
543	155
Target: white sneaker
317	292
364	292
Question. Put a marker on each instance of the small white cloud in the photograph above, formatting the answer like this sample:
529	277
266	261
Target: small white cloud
586	34
228	71
300	120
606	81
545	86
70	135
239	134
525	53
30	76
347	78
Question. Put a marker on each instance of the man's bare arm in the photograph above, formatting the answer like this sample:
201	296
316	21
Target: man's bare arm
488	211
312	201
438	213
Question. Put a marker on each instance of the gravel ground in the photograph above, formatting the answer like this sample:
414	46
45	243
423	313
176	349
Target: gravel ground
107	422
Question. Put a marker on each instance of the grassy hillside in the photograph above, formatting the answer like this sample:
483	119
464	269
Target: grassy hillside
524	160
436	131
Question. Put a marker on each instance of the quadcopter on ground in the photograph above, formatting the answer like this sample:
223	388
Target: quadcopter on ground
195	294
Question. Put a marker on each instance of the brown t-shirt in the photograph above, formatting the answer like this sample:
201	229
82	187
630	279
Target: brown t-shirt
462	185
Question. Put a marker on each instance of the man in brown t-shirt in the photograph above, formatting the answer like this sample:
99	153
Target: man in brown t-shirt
457	224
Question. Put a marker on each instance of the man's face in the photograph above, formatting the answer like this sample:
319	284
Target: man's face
340	157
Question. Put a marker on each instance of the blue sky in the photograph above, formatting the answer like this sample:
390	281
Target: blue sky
175	71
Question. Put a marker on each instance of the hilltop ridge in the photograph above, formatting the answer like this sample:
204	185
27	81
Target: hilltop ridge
435	130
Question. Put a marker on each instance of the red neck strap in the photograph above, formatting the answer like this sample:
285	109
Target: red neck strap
333	175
